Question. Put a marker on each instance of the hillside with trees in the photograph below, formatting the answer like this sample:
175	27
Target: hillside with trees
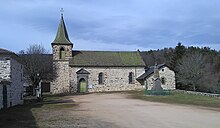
196	69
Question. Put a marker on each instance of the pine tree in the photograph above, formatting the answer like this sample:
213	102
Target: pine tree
177	55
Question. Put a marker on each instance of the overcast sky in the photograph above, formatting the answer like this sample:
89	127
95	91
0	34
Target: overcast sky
111	24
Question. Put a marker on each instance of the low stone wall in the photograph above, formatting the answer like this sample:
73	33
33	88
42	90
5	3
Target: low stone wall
199	93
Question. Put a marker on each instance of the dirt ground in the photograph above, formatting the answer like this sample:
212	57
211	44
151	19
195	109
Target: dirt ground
117	111
107	110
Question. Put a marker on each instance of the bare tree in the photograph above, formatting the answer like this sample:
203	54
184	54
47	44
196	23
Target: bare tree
190	70
38	64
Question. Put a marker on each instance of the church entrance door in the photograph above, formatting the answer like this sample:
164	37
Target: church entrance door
82	80
82	84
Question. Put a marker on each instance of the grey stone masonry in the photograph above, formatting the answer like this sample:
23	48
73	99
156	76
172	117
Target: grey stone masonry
115	78
199	93
168	76
56	51
61	84
5	68
16	89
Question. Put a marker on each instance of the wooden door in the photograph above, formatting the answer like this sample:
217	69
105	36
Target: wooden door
82	85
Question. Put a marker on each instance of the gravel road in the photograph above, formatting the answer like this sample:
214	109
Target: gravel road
117	111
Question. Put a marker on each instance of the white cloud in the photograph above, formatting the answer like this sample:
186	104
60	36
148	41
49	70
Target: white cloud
111	25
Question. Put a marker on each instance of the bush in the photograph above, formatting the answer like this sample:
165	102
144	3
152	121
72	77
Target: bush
215	89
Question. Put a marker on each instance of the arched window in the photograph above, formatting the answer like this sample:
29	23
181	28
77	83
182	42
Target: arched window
62	53
101	78
131	77
163	80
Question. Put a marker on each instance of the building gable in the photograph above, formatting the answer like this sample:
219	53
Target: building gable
149	71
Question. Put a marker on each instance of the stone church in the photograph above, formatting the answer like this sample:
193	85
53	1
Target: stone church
94	71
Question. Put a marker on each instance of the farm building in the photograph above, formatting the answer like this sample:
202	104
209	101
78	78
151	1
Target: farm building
11	79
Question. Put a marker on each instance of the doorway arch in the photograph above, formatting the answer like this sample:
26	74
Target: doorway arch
82	80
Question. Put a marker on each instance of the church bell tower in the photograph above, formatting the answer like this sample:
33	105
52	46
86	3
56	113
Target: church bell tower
62	54
62	46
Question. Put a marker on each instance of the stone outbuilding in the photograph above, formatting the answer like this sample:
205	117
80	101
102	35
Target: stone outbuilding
11	79
167	77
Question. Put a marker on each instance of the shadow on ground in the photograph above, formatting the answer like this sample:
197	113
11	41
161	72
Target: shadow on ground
36	114
19	116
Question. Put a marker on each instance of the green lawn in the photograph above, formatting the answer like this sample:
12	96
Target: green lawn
178	98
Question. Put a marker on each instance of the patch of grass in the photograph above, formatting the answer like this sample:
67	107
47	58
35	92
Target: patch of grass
178	98
56	102
58	106
50	97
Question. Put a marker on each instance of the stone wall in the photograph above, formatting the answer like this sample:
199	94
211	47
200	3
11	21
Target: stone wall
62	82
115	78
169	77
5	73
5	68
199	93
56	51
16	87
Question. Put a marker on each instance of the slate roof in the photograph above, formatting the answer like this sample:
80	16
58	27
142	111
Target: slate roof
144	57
107	58
62	35
150	71
4	51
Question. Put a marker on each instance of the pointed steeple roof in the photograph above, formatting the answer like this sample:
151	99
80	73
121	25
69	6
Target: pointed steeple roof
62	35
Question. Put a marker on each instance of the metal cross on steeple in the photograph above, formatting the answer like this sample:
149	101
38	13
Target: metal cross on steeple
61	11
